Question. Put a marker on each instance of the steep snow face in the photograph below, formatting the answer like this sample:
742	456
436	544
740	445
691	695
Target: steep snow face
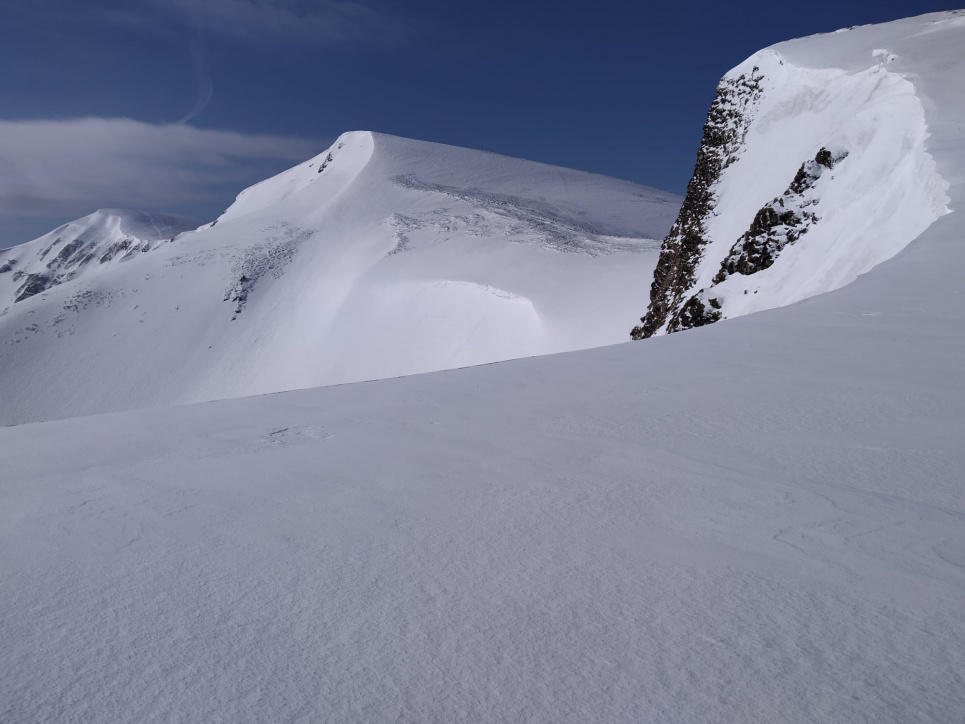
83	248
380	257
824	174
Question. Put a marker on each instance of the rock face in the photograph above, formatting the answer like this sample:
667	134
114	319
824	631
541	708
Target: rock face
784	137
781	222
778	224
724	134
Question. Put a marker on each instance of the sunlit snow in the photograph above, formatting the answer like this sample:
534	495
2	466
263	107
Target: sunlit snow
758	521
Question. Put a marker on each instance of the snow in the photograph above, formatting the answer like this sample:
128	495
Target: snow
85	248
874	203
762	520
394	257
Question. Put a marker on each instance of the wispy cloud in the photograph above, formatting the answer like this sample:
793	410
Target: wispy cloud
52	168
315	21
311	21
202	76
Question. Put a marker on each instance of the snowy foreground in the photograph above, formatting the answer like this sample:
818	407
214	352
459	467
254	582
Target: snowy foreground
761	520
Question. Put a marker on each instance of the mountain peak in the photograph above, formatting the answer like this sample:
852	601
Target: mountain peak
83	248
380	257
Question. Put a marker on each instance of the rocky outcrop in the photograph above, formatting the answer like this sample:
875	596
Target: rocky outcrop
781	222
267	258
776	225
676	300
35	284
329	158
60	268
78	247
124	246
724	133
695	313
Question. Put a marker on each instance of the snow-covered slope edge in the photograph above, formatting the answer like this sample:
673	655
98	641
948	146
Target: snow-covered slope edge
813	168
378	258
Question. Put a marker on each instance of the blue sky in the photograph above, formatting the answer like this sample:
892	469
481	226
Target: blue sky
176	105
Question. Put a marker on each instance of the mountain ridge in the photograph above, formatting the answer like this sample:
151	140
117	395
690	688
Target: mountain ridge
379	257
81	247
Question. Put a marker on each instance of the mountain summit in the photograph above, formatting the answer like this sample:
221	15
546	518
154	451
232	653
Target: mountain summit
379	257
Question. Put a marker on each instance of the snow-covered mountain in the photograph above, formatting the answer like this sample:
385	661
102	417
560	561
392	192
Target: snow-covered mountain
380	257
813	169
762	521
83	249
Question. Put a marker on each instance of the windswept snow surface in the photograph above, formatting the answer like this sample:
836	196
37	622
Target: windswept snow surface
762	521
378	258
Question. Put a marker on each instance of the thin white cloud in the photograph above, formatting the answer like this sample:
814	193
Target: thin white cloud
69	168
202	76
315	21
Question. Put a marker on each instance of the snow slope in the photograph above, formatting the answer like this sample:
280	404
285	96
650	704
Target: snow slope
380	257
814	168
760	521
83	249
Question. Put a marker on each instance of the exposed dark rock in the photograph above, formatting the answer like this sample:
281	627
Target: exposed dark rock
88	255
329	158
324	164
724	134
266	259
35	284
114	249
238	293
758	248
694	313
780	223
8	265
46	251
65	254
775	226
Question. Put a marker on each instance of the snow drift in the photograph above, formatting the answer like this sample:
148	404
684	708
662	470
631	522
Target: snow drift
378	258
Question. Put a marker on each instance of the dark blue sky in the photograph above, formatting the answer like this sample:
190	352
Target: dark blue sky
610	86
